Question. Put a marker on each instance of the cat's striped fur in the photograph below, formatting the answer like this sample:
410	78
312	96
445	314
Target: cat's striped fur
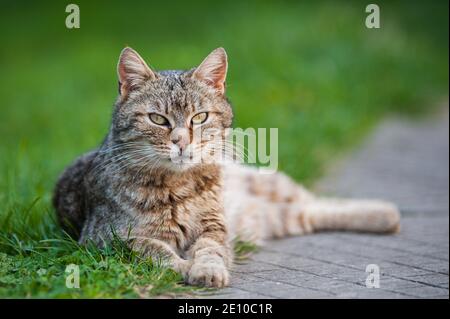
189	213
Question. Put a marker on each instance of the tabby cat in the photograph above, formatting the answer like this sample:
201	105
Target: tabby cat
144	185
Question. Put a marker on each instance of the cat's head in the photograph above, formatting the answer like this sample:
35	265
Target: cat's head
171	119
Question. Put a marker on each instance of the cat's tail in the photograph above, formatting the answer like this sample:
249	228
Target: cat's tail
330	214
350	214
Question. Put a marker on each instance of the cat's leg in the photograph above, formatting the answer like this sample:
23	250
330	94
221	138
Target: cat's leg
261	206
98	231
211	257
262	219
208	259
258	219
210	263
160	251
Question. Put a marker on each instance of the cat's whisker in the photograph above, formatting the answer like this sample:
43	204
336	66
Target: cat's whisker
232	143
136	159
121	146
241	147
114	159
127	147
230	148
227	151
122	157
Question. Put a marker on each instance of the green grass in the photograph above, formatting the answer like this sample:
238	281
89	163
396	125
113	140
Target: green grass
39	270
310	69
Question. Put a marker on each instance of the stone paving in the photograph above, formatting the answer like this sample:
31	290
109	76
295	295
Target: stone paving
405	161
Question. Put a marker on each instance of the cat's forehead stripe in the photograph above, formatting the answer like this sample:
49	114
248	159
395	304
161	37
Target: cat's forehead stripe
173	74
174	82
172	79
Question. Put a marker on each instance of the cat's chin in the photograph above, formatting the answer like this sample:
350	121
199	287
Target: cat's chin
178	166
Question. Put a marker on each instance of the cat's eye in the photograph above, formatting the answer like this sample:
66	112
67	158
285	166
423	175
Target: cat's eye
159	119
200	118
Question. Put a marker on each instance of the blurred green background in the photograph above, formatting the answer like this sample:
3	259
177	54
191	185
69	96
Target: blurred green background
310	68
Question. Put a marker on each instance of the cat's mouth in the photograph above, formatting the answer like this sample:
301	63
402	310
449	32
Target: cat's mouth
180	162
180	165
183	159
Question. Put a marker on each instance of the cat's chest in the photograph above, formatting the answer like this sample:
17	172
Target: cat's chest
173	215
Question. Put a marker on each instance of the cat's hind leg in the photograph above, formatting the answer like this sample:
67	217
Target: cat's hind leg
262	206
261	219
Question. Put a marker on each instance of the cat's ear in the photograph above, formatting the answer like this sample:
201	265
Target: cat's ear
213	70
132	71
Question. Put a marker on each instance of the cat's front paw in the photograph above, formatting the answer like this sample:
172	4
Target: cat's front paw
208	274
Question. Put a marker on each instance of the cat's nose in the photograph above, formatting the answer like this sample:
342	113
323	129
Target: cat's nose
180	137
